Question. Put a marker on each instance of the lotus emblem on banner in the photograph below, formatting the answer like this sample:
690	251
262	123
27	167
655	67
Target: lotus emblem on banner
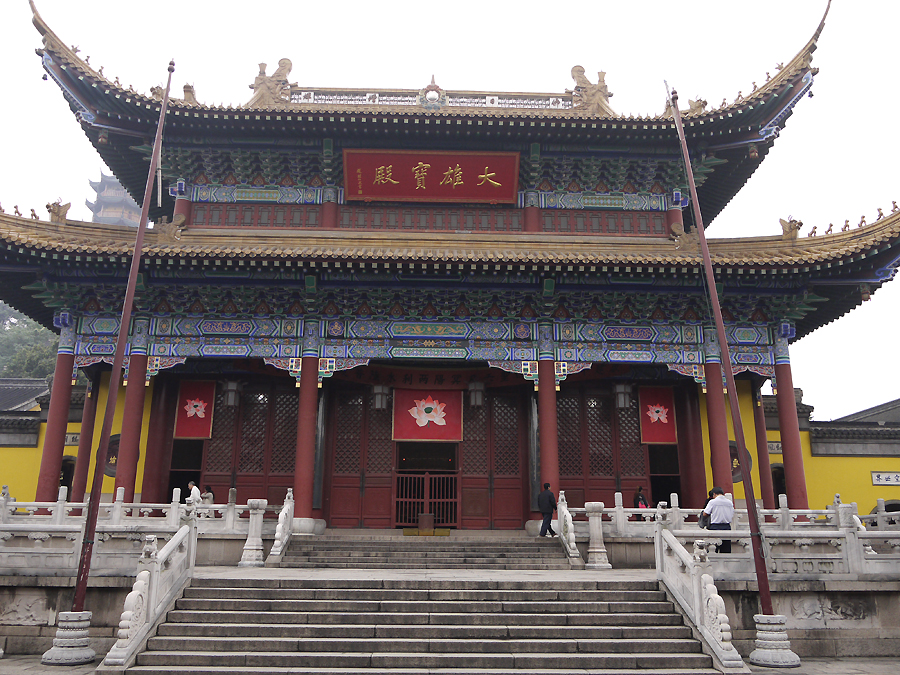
428	410
657	413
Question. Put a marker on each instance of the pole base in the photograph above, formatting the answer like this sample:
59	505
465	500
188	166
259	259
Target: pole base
70	646
773	649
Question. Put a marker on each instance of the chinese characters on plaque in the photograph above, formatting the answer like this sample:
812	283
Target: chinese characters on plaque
431	176
886	478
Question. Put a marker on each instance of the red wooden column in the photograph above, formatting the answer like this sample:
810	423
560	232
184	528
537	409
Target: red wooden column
716	417
547	429
57	423
762	449
161	429
183	207
794	476
132	424
532	214
690	447
86	439
330	212
305	463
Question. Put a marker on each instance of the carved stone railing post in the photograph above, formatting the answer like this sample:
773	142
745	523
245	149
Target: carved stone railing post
597	558
231	509
619	517
881	514
174	515
785	521
117	511
59	511
253	549
4	504
676	518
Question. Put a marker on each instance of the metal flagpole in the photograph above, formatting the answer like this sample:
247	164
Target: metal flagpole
90	528
762	576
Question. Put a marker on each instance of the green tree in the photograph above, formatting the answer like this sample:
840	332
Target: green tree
27	349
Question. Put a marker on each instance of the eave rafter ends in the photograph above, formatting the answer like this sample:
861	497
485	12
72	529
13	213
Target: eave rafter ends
44	238
68	57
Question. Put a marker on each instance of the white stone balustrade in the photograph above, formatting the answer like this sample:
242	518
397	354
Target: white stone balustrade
45	538
283	530
567	529
161	578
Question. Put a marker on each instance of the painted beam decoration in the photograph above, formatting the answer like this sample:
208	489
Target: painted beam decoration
657	412
194	415
431	176
423	415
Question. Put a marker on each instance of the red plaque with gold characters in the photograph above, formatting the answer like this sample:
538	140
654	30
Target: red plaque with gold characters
431	176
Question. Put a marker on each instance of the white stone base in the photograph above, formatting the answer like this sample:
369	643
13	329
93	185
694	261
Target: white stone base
70	646
308	526
773	649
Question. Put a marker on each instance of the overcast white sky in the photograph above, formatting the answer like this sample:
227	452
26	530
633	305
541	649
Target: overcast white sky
836	159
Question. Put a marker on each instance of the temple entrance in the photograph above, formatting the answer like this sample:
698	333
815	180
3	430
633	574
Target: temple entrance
600	450
253	443
374	482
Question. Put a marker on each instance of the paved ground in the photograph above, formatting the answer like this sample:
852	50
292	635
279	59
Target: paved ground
31	665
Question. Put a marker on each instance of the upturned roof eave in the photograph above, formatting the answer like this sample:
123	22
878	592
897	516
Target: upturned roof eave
794	69
75	237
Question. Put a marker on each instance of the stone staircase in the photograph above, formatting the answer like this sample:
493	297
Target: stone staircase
519	552
408	625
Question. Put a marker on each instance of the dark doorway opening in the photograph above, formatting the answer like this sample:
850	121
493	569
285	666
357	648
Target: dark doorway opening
778	483
665	476
419	456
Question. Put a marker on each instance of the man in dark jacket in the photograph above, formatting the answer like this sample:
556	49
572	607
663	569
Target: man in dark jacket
547	505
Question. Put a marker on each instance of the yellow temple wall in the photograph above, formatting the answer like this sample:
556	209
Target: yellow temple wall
20	466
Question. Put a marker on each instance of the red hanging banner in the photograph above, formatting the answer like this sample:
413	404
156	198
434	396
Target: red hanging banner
420	415
431	176
657	412
194	415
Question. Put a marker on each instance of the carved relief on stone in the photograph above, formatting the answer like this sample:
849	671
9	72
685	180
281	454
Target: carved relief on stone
274	89
27	609
592	98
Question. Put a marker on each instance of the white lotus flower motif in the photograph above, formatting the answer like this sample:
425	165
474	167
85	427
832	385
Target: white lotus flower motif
657	413
429	410
195	406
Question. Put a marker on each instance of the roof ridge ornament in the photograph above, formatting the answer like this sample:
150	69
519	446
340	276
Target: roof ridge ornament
271	90
591	98
432	96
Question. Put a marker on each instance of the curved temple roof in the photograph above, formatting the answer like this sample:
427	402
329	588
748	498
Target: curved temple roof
836	271
730	141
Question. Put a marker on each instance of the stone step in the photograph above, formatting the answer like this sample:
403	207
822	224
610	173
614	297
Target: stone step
421	632
430	606
423	594
558	645
399	660
425	618
388	565
427	584
239	670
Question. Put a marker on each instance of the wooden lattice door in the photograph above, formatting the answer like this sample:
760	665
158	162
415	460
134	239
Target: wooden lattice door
492	492
362	457
254	444
600	450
